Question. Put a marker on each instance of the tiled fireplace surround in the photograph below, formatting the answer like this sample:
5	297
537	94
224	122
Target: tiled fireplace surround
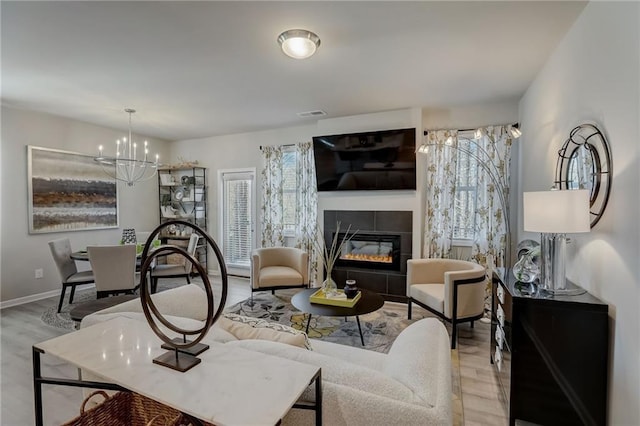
390	284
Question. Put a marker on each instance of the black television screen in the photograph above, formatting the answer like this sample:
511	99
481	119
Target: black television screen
383	160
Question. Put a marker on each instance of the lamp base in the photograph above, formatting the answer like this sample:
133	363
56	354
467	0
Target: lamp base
565	291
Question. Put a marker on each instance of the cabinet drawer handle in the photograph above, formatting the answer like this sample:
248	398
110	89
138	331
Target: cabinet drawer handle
500	292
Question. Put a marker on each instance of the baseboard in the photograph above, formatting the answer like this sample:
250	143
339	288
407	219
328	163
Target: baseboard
34	297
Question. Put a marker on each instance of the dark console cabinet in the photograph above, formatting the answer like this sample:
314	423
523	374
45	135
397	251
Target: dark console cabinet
549	353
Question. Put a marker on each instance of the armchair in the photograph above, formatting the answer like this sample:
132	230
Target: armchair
452	289
275	268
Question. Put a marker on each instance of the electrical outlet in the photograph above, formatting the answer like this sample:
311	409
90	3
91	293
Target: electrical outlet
39	273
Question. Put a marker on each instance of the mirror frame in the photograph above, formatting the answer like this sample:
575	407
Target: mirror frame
590	137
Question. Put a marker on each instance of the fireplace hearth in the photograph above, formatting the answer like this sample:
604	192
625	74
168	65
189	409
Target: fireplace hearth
371	251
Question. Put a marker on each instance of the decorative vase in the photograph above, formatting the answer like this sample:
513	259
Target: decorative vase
350	289
526	269
329	286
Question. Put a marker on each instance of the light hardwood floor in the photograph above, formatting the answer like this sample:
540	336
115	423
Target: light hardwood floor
21	327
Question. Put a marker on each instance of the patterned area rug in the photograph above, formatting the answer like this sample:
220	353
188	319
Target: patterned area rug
379	329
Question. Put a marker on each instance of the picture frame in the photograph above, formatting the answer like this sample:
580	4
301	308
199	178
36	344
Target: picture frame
69	191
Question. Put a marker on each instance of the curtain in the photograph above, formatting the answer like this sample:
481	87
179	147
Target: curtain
492	202
306	201
441	163
306	206
272	223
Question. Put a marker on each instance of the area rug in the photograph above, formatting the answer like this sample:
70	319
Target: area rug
62	319
379	328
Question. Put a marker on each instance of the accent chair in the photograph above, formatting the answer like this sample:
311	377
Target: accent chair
274	268
452	289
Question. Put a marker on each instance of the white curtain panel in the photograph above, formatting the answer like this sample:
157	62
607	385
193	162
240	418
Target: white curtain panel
272	218
441	161
494	151
307	206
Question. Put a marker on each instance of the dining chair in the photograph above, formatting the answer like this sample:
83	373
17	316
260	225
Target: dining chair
61	252
168	270
114	268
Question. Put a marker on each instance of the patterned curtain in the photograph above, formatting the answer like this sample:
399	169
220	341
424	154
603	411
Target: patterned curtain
272	202
494	157
441	163
307	205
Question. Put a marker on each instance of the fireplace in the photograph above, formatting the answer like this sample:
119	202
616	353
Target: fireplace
371	251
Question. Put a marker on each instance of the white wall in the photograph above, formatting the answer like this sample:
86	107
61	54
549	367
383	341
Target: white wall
242	151
22	253
593	76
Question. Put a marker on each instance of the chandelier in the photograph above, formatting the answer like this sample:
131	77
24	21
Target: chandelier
127	166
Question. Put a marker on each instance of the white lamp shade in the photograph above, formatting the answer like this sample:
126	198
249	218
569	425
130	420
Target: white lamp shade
557	212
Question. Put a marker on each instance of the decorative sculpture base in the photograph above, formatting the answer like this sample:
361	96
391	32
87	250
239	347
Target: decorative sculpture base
176	360
194	350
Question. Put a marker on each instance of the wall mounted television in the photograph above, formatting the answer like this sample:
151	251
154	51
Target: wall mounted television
382	160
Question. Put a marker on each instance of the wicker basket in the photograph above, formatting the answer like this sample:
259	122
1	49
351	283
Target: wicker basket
128	409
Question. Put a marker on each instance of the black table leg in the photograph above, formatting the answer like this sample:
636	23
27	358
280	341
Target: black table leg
319	399
37	387
308	321
360	330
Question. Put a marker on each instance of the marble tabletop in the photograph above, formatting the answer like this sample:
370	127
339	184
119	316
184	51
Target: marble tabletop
231	386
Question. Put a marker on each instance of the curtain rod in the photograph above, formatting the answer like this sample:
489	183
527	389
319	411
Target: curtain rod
516	125
288	144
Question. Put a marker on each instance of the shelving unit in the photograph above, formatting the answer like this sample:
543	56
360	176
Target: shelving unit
183	195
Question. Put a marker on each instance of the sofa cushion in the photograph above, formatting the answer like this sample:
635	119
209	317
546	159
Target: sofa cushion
243	327
188	301
417	358
335	370
216	332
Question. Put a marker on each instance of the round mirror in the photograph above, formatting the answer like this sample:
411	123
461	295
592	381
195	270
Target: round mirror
584	162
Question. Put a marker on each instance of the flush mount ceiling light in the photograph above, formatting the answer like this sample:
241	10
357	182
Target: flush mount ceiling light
298	44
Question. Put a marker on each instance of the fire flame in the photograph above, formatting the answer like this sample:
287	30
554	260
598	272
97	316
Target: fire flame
368	257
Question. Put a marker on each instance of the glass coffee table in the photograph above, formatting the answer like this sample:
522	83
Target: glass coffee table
369	302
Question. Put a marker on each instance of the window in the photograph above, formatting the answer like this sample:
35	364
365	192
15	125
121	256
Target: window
289	189
466	191
237	205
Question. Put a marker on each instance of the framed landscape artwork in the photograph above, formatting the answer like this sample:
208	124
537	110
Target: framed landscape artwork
69	191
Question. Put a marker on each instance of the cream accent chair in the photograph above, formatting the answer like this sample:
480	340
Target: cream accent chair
61	252
452	289
114	268
275	268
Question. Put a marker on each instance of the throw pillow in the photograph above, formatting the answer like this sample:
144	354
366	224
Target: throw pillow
254	328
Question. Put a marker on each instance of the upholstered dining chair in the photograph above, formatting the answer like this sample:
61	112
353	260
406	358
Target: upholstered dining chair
61	252
274	268
114	268
169	270
452	289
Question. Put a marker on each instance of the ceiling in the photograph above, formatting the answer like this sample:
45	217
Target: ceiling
198	69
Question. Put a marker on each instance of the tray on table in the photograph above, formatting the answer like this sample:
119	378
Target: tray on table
319	297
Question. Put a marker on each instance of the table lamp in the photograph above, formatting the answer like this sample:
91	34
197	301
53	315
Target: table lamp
554	214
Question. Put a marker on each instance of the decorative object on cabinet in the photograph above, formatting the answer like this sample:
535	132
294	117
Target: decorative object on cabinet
182	193
68	191
550	354
527	268
554	214
584	162
182	354
127	166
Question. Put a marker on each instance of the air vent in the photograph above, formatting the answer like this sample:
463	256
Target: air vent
316	113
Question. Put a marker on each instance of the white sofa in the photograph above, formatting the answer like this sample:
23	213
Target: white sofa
411	385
